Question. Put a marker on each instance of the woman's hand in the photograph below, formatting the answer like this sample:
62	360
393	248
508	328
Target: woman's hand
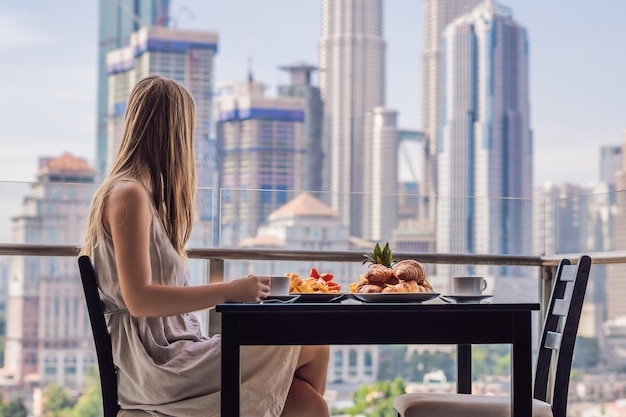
250	288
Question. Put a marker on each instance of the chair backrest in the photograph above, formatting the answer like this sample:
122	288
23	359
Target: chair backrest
559	333
101	337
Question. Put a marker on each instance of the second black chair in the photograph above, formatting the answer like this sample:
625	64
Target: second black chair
559	335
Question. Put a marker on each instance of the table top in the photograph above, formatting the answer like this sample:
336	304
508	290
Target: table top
367	323
333	307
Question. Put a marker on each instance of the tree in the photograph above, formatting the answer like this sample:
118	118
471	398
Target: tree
376	400
392	361
90	403
14	408
490	360
56	401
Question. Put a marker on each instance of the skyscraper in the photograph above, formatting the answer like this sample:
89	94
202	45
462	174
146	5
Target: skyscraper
48	331
610	162
437	15
261	155
313	118
184	56
615	282
485	152
118	19
380	156
352	80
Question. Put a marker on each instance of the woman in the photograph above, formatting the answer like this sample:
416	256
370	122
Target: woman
141	218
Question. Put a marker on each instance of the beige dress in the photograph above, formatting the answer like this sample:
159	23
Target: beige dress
165	365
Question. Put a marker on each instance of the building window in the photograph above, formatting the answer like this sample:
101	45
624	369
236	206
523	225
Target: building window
70	365
50	366
368	368
352	362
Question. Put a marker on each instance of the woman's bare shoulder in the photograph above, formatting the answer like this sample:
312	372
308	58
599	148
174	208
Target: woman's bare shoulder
127	201
128	191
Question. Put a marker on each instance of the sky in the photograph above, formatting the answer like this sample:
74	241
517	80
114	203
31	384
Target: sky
48	70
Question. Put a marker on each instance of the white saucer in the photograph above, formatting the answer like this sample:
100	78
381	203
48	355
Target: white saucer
463	298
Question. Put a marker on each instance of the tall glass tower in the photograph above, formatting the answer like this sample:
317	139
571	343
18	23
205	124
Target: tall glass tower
118	19
485	150
352	81
437	15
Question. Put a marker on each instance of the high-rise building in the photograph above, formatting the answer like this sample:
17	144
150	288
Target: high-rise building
117	20
313	119
485	153
352	80
48	333
184	56
610	163
437	15
262	152
558	219
380	176
615	277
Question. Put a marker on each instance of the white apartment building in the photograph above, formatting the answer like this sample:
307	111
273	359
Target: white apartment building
306	223
48	332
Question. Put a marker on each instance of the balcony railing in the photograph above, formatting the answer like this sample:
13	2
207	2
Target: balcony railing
215	257
564	228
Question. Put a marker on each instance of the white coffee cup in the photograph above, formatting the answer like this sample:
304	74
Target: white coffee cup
279	285
469	285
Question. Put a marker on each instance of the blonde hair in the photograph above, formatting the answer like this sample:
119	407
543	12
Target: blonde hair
157	151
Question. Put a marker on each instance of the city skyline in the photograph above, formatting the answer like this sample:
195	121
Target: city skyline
575	98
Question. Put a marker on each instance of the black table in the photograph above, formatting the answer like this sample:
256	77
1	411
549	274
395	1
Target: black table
380	323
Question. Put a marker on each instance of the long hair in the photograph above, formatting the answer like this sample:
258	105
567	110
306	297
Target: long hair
156	150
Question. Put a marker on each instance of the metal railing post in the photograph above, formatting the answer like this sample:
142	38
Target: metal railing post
216	274
546	279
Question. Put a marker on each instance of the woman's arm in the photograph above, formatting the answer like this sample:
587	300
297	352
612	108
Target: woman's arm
128	217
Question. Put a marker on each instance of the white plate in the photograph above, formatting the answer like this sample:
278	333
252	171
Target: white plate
467	298
395	297
317	297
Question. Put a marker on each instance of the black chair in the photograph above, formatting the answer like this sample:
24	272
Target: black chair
101	337
551	386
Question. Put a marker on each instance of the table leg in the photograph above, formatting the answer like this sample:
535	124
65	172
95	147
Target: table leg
231	372
521	366
464	369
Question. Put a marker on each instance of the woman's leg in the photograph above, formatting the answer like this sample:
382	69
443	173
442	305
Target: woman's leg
305	398
304	401
312	366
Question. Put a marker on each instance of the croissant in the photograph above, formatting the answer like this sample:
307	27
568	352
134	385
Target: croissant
410	270
365	287
403	286
378	273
